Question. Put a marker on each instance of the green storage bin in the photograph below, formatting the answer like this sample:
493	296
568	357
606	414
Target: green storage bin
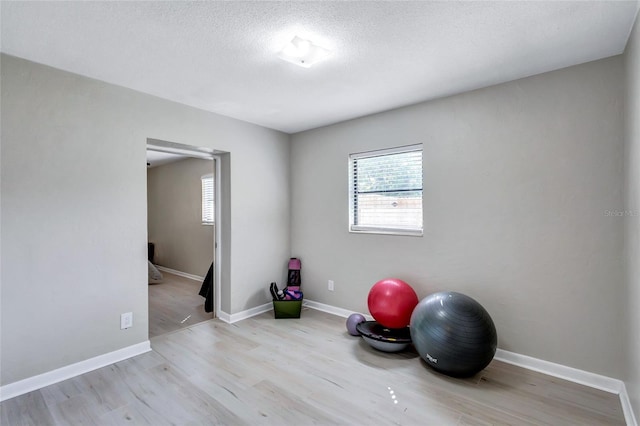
287	308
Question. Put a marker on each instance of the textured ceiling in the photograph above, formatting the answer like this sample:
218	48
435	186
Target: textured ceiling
222	56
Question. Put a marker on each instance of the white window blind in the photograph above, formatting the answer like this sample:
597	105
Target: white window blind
207	200
386	191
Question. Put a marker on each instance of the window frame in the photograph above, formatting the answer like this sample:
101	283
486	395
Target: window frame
203	178
386	230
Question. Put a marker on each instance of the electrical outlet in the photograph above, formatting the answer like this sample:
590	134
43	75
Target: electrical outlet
126	320
330	285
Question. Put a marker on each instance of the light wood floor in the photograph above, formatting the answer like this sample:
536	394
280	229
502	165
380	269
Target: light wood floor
263	371
175	304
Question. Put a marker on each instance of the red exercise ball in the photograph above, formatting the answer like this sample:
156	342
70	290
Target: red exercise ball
391	302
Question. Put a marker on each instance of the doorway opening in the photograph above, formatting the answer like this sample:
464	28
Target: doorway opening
183	214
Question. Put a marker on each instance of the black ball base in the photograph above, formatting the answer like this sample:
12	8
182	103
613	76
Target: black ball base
384	339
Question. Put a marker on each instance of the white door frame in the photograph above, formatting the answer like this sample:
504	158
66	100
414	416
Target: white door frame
206	154
217	243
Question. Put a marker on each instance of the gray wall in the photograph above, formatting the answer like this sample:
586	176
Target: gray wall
174	212
73	214
632	215
517	181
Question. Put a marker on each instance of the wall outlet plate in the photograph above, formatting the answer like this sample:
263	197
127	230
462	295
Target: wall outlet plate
126	320
330	285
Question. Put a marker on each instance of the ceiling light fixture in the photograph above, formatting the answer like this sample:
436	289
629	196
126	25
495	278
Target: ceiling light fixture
303	52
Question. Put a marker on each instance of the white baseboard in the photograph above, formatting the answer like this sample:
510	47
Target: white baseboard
45	379
575	375
239	316
180	273
268	306
223	316
231	318
571	374
331	309
627	409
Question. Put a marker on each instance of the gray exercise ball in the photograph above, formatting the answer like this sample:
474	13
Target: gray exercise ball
453	333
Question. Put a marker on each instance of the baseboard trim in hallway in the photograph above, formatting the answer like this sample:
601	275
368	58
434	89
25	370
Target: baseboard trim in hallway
180	273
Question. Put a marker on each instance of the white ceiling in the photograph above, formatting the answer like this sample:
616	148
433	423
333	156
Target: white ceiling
221	56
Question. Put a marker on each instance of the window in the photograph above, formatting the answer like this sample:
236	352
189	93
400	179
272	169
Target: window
386	191
207	200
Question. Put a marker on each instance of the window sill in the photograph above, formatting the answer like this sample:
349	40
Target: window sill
386	231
